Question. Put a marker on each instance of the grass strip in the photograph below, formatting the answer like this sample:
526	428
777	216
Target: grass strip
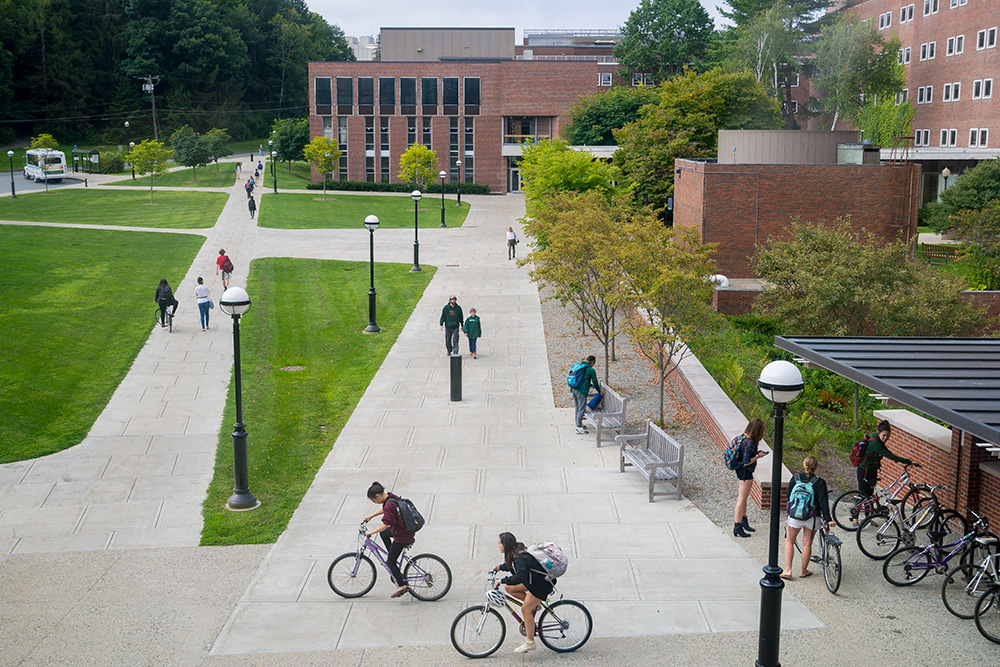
76	306
171	210
307	313
222	175
347	211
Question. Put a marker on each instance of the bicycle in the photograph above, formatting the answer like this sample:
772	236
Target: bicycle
351	575
965	584
165	318
880	534
907	565
987	614
829	556
563	626
850	505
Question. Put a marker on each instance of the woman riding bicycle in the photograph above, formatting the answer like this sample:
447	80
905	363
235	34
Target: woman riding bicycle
821	507
165	297
527	583
392	522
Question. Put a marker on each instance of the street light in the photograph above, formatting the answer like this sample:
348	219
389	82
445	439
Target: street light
371	222
781	383
442	175
458	163
274	172
946	172
131	147
415	196
10	154
270	153
235	302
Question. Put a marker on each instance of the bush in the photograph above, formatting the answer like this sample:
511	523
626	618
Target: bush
367	186
112	162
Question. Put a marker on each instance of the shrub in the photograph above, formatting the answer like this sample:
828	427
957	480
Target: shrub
112	162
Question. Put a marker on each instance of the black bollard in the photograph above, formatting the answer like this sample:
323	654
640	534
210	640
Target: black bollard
456	377
85	183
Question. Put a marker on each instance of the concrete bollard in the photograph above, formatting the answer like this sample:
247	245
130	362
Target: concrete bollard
456	377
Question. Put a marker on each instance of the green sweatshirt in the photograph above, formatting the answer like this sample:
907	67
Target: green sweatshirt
872	462
451	316
589	380
472	328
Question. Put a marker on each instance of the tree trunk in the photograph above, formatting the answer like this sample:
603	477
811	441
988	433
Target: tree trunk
324	187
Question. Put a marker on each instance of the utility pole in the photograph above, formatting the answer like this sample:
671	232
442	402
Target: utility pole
150	81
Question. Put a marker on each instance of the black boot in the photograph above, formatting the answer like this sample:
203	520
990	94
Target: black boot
746	526
738	530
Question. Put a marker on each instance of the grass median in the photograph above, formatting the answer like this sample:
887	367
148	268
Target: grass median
308	314
202	177
348	211
171	210
77	306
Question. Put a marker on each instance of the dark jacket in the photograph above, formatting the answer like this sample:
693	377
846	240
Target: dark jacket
472	328
871	463
748	450
527	571
821	495
589	380
391	518
163	293
451	316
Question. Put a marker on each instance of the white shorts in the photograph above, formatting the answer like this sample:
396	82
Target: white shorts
812	524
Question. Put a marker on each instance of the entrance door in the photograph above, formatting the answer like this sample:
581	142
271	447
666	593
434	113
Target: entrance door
513	174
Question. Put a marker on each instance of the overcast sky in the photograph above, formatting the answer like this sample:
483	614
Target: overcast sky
360	18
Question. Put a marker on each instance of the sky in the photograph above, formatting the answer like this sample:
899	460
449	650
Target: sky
360	18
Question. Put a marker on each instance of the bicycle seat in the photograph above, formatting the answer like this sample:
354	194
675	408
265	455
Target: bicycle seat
936	536
895	501
986	540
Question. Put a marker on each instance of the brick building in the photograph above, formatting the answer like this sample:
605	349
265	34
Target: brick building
469	94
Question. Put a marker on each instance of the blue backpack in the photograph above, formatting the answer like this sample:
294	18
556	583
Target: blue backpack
576	376
734	461
801	498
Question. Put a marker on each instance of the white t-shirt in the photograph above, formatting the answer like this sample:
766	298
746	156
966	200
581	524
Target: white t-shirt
511	236
202	293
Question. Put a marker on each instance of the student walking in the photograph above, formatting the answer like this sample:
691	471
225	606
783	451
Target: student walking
204	302
801	485
473	330
581	390
451	324
225	265
748	457
252	205
392	522
512	242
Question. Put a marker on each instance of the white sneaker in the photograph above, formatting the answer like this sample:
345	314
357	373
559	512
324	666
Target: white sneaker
528	645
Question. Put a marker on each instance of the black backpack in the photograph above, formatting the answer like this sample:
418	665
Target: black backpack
412	519
227	265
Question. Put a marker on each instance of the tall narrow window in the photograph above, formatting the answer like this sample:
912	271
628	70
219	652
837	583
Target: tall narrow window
342	145
383	133
472	100
411	130
450	95
468	161
454	137
324	95
408	96
426	137
345	96
366	95
386	96
369	135
429	95
328	127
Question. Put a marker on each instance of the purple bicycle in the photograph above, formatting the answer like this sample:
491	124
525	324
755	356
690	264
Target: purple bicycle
353	574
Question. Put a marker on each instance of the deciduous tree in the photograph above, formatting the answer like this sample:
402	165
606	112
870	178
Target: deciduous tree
418	165
149	158
972	190
44	140
595	117
660	37
190	149
290	135
218	144
551	167
322	153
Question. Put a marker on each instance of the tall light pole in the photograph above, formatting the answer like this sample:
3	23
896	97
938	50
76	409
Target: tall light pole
442	175
371	222
946	172
131	147
10	155
415	196
274	172
458	163
270	153
781	383
235	302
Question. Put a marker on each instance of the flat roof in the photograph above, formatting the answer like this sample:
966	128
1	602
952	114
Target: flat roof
955	380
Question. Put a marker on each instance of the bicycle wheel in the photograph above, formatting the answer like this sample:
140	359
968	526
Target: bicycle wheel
906	566
918	494
845	508
878	536
478	631
564	626
831	567
977	551
350	576
962	587
987	614
953	525
428	577
158	317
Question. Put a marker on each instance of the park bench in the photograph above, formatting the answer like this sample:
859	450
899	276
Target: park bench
610	416
656	455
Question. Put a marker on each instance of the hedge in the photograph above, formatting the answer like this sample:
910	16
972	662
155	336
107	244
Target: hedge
366	186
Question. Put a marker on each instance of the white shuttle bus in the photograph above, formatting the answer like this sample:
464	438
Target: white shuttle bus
44	164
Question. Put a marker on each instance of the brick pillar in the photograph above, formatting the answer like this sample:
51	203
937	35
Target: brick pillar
970	477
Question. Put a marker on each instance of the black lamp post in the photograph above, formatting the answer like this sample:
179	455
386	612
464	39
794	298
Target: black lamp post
371	222
131	147
235	302
274	172
270	153
946	172
458	163
13	194
415	196
781	383
442	175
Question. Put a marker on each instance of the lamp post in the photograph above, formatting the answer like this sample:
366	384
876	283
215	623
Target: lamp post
415	196
946	172
131	147
235	302
120	146
371	222
458	163
442	175
270	153
274	172
10	155
781	383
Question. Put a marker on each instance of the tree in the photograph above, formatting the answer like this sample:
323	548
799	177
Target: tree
885	122
595	117
322	153
149	157
830	280
44	141
853	64
418	165
660	37
551	167
290	135
190	149
217	140
971	191
744	12
981	232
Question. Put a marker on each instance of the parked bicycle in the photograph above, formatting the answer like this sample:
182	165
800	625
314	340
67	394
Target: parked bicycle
987	614
907	565
563	626
828	557
353	574
882	533
852	507
965	584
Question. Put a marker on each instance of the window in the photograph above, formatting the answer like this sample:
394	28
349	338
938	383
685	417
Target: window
956	45
904	56
930	7
342	145
449	91
426	132
604	78
925	94
978	137
411	130
387	96
324	95
408	96
366	95
951	92
454	137
906	13
986	39
328	127
370	135
949	137
470	148
884	20
383	134
429	95
642	79
987	88
902	96
472	96
927	50
794	107
345	96
922	138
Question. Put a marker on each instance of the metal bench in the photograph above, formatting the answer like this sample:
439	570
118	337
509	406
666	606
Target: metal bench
656	455
610	416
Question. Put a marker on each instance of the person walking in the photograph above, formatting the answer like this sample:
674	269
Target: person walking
248	186
204	302
252	205
392	522
451	324
239	170
473	330
221	262
512	242
165	299
871	460
527	583
809	524
748	457
581	391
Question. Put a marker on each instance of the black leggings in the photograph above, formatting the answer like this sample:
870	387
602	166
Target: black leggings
866	486
164	304
395	549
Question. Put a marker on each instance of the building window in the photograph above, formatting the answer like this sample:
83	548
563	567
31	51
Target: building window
951	92
958	3
426	131
328	127
519	129
453	148
793	107
383	133
429	95
472	99
930	7
922	138
956	45
986	39
904	56
949	138
449	90
642	79
604	78
411	130
342	145
902	96
366	95
925	94
345	96
324	95
386	96
408	96
369	135
884	20
468	161
927	50
987	89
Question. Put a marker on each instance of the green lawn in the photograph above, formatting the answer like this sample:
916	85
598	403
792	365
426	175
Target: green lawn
207	177
76	306
307	313
171	210
344	211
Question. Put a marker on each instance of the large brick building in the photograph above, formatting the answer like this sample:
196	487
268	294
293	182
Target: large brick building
469	94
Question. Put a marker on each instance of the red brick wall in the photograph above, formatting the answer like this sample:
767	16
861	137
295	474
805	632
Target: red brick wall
733	301
989	498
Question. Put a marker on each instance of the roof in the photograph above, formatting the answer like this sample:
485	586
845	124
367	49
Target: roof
954	380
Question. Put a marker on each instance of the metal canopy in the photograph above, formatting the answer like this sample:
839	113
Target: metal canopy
955	380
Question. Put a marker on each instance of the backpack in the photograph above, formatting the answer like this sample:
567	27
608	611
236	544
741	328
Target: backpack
858	452
801	498
227	265
576	375
412	519
733	459
551	558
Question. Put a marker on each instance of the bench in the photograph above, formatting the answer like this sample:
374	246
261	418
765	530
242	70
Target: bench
656	455
610	416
